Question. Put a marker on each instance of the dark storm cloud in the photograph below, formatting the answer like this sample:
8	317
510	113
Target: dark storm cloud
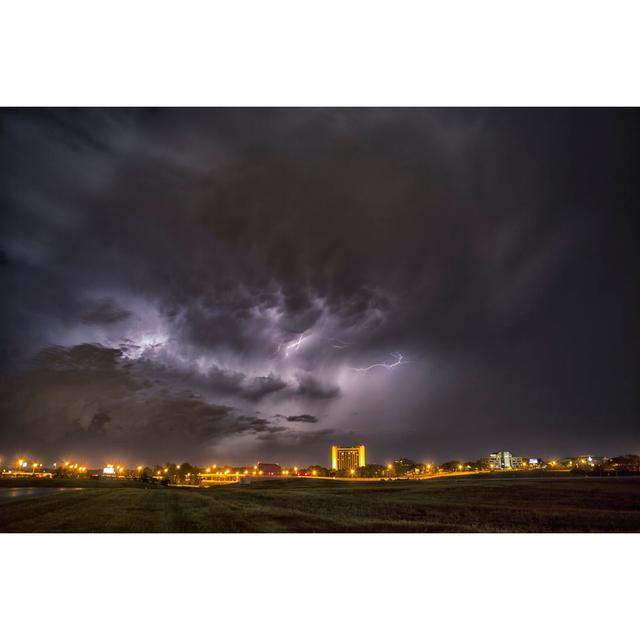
305	417
105	312
256	257
90	400
314	388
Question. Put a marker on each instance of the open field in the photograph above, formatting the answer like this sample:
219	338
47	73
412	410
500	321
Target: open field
463	504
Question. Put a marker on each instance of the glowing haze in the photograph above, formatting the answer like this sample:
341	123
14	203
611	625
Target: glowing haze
245	285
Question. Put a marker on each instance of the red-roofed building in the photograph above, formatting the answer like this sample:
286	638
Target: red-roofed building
269	469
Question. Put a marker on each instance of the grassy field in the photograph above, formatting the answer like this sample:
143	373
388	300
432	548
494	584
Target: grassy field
463	504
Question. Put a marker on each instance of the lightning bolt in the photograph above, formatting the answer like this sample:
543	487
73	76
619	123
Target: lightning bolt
295	344
385	365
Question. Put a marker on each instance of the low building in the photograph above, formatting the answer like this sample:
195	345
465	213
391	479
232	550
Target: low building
269	469
347	458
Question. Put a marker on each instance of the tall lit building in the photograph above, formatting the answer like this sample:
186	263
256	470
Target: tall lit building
347	458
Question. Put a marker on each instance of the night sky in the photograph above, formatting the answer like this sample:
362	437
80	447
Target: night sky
218	284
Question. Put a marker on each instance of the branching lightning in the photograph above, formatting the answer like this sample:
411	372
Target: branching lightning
295	344
399	359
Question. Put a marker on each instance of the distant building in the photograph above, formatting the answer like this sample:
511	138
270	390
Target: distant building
347	458
269	469
502	460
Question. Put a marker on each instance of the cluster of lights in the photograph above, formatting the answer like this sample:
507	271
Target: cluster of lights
71	466
24	464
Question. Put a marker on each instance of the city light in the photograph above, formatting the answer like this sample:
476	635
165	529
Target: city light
396	470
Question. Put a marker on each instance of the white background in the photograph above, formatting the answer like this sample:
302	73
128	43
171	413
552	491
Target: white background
318	53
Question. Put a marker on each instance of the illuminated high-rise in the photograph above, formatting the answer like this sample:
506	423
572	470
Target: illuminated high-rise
347	458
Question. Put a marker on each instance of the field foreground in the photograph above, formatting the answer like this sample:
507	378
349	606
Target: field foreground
464	504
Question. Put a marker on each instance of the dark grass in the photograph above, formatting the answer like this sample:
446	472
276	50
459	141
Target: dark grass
465	504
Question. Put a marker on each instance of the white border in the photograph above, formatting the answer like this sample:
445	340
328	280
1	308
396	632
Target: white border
329	52
318	586
70	52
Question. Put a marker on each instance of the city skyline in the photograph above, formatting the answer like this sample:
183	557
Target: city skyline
248	284
18	461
